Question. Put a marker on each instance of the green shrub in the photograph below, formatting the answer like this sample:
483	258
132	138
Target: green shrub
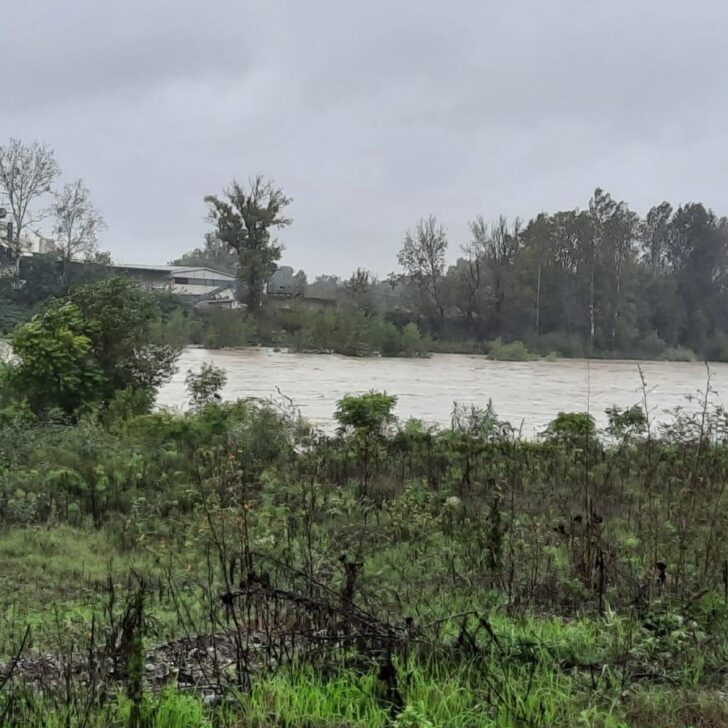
79	352
216	328
412	343
368	414
511	351
54	364
574	429
204	386
679	353
350	332
651	346
565	345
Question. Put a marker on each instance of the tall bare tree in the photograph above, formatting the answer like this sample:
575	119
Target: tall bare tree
27	173
423	258
77	221
244	219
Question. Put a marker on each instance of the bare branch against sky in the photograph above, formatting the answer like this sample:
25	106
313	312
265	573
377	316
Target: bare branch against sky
369	115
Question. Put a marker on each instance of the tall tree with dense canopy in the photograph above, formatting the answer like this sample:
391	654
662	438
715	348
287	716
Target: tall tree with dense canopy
244	219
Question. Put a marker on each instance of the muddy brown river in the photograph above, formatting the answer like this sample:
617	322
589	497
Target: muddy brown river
527	394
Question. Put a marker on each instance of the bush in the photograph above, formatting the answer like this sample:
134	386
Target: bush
574	429
81	351
679	353
651	346
512	351
367	414
218	328
412	343
176	328
54	364
566	345
350	332
204	387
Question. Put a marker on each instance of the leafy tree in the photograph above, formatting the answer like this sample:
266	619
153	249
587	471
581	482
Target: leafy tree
204	386
123	346
573	429
464	283
655	233
626	424
540	246
244	219
610	251
698	254
326	286
366	414
366	418
88	347
44	276
54	365
412	343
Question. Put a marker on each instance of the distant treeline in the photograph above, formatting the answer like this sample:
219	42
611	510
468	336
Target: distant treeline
601	281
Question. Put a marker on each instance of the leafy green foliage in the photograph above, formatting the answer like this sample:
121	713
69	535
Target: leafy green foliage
626	424
366	414
350	332
244	220
54	365
574	429
204	386
597	281
123	315
589	575
215	254
511	351
85	349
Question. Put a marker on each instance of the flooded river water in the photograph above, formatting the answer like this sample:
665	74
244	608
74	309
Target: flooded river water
525	393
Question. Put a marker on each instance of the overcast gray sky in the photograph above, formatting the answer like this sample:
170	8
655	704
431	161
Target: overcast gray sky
369	114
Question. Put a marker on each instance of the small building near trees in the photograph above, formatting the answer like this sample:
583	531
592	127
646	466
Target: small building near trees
200	285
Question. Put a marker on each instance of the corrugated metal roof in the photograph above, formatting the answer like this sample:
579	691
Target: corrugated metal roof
171	268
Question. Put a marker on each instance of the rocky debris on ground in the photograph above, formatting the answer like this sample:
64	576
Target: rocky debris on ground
204	663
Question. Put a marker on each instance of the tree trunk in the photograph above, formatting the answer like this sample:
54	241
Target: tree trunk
591	305
538	301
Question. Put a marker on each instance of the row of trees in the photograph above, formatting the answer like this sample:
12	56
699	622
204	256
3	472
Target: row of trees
28	177
602	275
595	280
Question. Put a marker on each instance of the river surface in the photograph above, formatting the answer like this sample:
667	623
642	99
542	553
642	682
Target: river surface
527	394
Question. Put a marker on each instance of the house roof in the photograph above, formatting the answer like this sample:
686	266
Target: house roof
172	268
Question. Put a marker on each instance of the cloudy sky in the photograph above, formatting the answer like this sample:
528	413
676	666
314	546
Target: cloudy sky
369	114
